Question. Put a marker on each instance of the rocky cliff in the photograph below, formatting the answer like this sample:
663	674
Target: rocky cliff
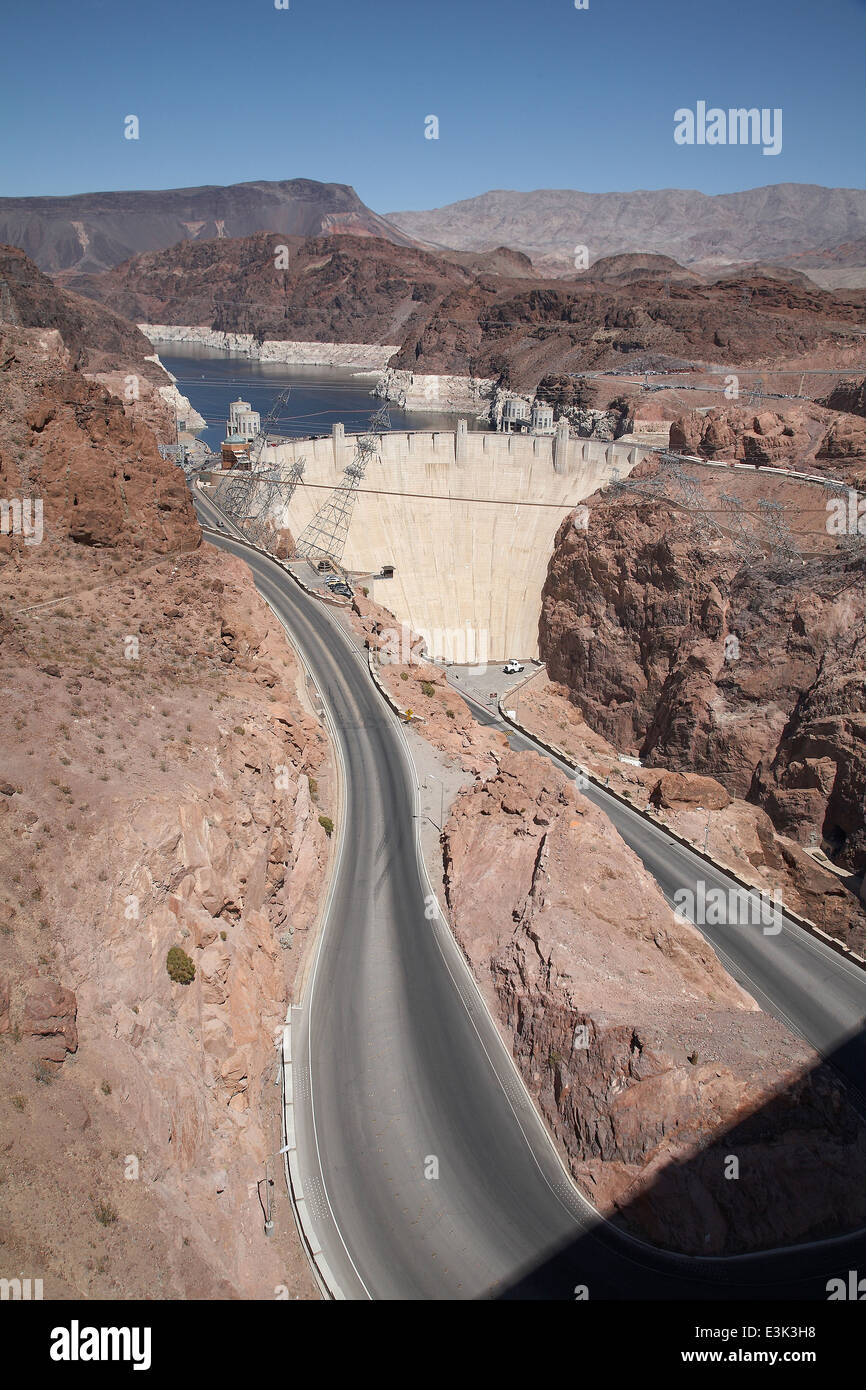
681	652
807	437
651	1066
161	861
98	342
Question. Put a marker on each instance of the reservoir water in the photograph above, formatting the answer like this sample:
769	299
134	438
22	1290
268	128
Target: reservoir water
211	379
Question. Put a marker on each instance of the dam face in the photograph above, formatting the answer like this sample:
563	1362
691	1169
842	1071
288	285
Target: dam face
467	520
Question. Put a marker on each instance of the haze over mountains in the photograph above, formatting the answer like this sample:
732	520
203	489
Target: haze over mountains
802	224
759	224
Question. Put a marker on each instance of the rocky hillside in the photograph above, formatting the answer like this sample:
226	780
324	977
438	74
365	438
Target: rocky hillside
649	1063
461	320
769	224
94	337
98	342
680	651
161	862
339	289
808	437
91	231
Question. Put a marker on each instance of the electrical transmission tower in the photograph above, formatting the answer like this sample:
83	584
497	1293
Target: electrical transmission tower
756	395
690	491
324	537
745	541
250	496
778	531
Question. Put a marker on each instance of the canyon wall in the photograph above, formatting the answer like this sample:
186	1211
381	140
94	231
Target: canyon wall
163	773
651	1066
680	652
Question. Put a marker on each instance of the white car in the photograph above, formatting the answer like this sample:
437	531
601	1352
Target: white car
512	667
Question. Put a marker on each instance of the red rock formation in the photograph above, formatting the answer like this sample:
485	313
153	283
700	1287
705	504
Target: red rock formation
648	1062
750	673
465	320
49	1017
98	472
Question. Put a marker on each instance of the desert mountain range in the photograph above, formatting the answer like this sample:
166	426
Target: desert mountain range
808	226
91	231
774	223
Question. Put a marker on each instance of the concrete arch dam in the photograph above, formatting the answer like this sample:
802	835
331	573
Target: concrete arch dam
467	519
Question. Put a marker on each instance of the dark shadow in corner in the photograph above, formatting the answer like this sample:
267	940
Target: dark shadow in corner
608	1265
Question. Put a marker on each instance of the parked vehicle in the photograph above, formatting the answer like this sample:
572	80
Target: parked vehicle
512	667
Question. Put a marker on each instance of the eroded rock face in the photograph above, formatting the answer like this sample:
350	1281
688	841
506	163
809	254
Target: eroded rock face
649	1063
49	1017
733	433
98	342
162	770
97	472
677	651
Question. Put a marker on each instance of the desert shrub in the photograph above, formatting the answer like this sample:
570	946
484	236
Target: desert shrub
105	1213
179	966
428	689
327	825
404	675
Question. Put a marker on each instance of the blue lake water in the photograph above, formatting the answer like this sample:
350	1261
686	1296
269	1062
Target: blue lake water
211	379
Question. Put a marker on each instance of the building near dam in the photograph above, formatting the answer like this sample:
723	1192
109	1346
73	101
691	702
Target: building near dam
466	519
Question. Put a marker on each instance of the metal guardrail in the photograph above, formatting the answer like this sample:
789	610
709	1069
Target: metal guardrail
803	922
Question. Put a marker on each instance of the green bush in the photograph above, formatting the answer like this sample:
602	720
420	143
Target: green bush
404	675
428	689
327	825
450	713
179	966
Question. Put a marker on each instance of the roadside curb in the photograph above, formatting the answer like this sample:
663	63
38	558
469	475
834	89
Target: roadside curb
324	1275
330	599
382	688
803	922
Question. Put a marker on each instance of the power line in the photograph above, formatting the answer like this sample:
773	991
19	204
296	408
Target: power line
326	534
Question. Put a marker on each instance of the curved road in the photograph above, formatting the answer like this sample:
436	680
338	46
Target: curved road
399	1070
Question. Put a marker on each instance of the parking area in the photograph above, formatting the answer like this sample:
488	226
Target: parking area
487	683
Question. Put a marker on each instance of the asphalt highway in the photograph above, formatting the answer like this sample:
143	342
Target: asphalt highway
428	1172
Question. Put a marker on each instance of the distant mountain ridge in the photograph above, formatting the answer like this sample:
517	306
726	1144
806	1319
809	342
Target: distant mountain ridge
463	319
88	232
760	224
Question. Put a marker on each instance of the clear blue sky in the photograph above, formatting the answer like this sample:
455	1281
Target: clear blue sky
529	94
